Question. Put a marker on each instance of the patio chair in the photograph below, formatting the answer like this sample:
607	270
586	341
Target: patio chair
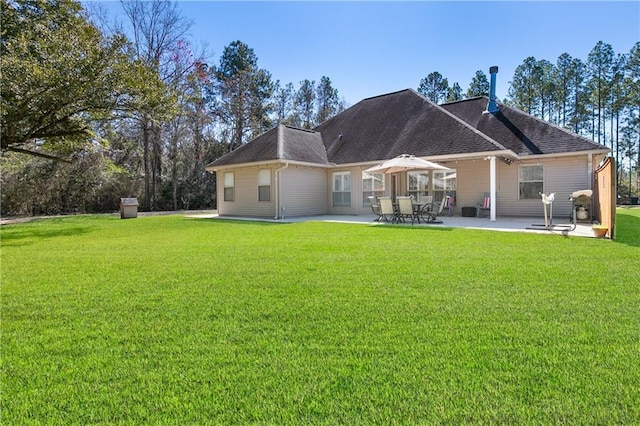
427	213
484	205
444	203
405	209
386	209
375	208
427	201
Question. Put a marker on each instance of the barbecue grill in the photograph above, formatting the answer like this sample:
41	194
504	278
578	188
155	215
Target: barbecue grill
581	201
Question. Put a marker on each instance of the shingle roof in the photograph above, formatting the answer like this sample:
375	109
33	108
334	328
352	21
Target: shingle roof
280	143
386	126
518	131
303	145
405	122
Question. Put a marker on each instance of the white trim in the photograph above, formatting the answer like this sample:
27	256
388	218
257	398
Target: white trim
440	158
492	188
269	163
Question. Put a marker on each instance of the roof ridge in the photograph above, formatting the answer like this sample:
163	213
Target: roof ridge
298	128
473	98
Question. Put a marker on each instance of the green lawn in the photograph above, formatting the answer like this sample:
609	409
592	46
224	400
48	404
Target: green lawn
175	320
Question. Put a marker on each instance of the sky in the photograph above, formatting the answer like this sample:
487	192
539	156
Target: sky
372	48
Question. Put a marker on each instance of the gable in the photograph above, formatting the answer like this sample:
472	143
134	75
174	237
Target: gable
262	148
282	143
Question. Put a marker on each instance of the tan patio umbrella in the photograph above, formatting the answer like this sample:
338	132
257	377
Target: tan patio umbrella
403	163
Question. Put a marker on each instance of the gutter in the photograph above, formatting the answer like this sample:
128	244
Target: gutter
278	170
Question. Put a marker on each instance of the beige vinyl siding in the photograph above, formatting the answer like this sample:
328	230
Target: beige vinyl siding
306	191
246	194
303	191
562	175
356	207
473	181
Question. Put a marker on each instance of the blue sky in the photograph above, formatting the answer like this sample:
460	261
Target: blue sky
371	48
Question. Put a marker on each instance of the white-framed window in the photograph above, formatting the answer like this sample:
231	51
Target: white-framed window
264	185
530	181
229	186
372	186
341	188
445	182
418	184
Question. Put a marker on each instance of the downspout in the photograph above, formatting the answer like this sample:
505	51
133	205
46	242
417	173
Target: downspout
278	208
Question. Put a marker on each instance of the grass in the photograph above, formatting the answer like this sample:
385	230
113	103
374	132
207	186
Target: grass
171	320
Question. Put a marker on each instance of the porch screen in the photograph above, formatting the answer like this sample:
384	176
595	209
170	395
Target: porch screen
445	182
372	186
418	184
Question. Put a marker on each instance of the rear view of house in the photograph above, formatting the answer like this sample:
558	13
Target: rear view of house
486	147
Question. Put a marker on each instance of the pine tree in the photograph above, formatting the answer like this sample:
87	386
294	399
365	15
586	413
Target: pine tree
600	68
327	100
305	101
454	93
240	93
479	85
283	102
434	87
522	90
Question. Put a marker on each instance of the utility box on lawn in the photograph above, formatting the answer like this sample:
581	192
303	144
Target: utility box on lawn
128	208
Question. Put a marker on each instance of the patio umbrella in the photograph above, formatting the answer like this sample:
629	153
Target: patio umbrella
403	163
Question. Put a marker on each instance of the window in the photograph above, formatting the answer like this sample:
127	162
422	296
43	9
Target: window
264	185
372	186
229	187
342	189
418	184
445	182
531	181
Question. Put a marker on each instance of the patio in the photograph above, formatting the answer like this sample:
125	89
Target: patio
508	224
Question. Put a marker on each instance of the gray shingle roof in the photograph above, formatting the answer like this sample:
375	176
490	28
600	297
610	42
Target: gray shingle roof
303	145
405	122
280	143
518	131
397	123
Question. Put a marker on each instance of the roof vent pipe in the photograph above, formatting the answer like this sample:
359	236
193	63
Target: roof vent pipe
492	106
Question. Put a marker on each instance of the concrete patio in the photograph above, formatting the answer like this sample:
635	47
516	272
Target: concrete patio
507	224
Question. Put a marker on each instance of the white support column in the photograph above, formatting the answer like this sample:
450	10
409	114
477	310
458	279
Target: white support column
492	188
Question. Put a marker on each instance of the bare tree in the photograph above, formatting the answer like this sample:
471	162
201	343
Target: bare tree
157	29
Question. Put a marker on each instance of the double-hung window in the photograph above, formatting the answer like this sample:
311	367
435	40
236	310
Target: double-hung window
342	188
229	187
531	181
264	185
372	186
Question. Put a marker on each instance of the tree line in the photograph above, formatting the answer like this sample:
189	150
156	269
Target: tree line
105	110
598	98
110	110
